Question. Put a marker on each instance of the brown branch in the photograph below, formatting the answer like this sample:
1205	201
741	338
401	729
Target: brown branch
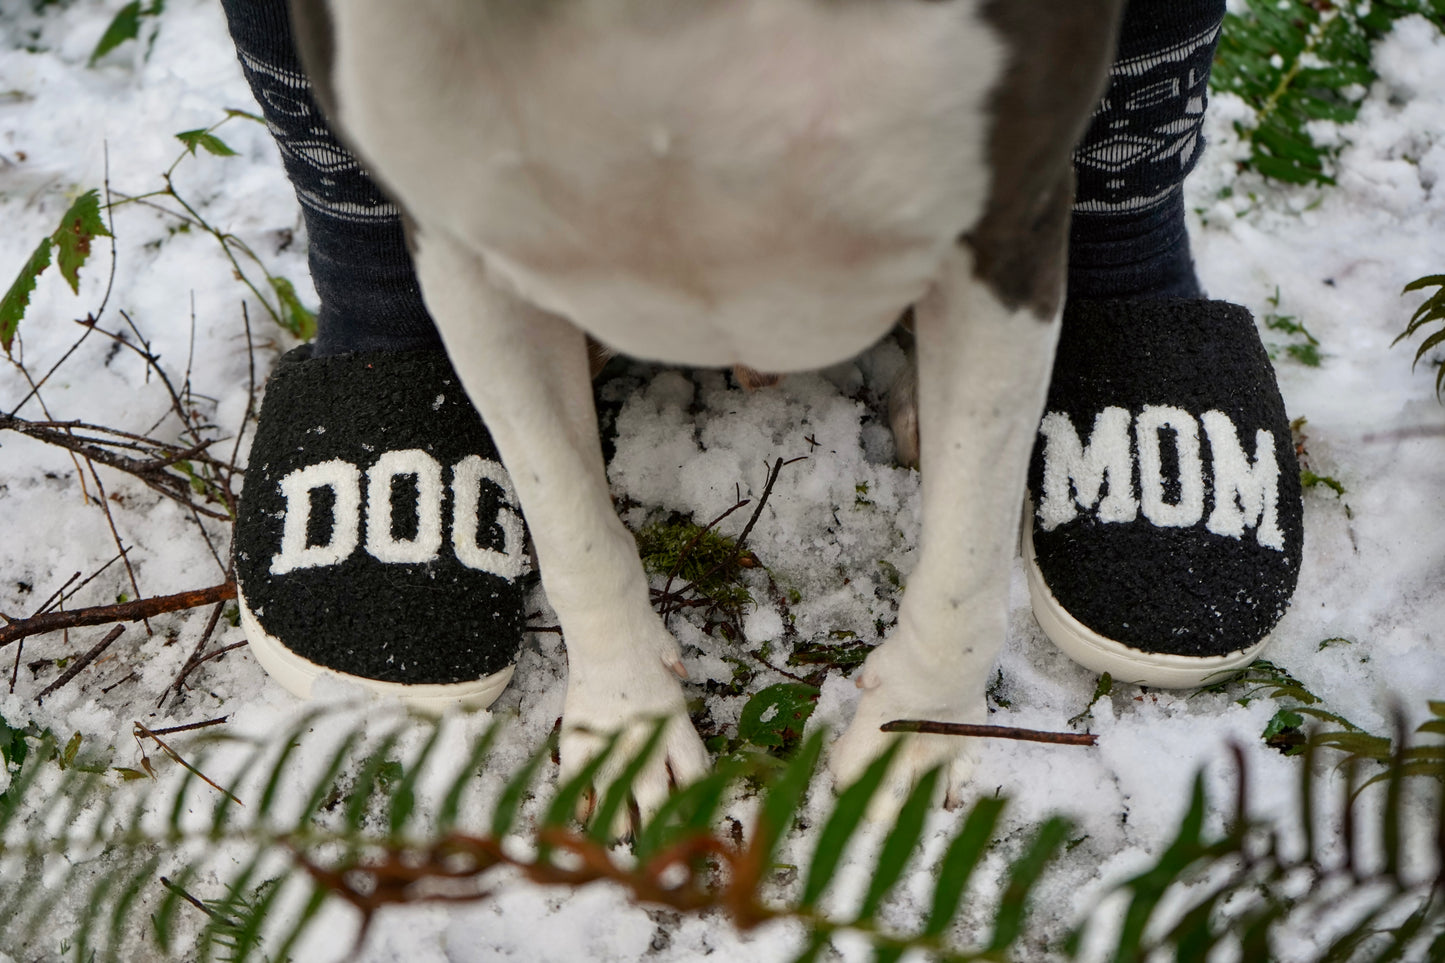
217	653
82	661
990	732
404	874
152	471
123	612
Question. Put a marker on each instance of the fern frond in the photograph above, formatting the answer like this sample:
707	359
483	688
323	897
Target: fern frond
1235	885
1431	312
223	881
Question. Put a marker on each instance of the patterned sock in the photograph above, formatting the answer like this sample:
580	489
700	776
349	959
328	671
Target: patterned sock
1128	238
359	263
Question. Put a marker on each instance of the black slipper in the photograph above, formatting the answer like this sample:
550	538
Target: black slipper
378	537
1166	521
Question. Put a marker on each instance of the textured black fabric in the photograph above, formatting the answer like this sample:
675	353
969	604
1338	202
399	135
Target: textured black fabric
420	622
1127	239
363	274
1182	590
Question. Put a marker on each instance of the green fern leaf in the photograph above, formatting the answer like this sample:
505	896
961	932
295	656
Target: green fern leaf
1148	888
403	799
452	801
510	801
843	824
784	798
325	784
959	863
898	845
687	811
314	902
1296	62
606	821
1024	875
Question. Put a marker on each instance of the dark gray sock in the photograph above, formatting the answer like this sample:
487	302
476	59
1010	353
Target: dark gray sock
359	263
1128	238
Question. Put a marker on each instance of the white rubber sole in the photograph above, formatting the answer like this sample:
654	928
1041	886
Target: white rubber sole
1122	662
297	675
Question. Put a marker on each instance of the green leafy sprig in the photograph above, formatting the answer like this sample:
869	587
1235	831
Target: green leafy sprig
1431	312
1296	62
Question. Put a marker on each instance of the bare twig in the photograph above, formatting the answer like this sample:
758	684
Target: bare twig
195	658
122	612
115	536
82	661
777	469
181	892
188	727
57	597
217	653
151	471
140	730
990	732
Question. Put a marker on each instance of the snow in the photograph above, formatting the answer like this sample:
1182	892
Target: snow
836	526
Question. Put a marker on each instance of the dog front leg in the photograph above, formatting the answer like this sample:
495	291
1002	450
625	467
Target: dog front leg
982	380
527	372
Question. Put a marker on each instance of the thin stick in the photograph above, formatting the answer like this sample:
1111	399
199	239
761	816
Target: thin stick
763	499
82	661
152	472
190	726
174	888
221	651
104	502
195	657
991	732
141	730
124	612
56	598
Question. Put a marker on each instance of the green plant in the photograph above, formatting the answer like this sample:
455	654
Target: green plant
126	25
361	835
1431	312
1286	730
1300	61
70	245
703	558
81	225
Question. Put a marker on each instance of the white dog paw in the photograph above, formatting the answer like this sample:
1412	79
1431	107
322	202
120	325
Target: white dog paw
885	699
630	705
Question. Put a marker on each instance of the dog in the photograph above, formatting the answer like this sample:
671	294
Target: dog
764	183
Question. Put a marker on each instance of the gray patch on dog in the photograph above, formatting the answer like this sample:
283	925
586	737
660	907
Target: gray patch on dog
1041	107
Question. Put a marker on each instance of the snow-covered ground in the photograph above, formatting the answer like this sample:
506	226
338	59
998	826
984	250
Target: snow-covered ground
1334	259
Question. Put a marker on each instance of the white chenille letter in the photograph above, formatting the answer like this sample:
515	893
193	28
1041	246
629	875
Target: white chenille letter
1075	472
344	480
1244	494
1190	507
510	561
428	475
